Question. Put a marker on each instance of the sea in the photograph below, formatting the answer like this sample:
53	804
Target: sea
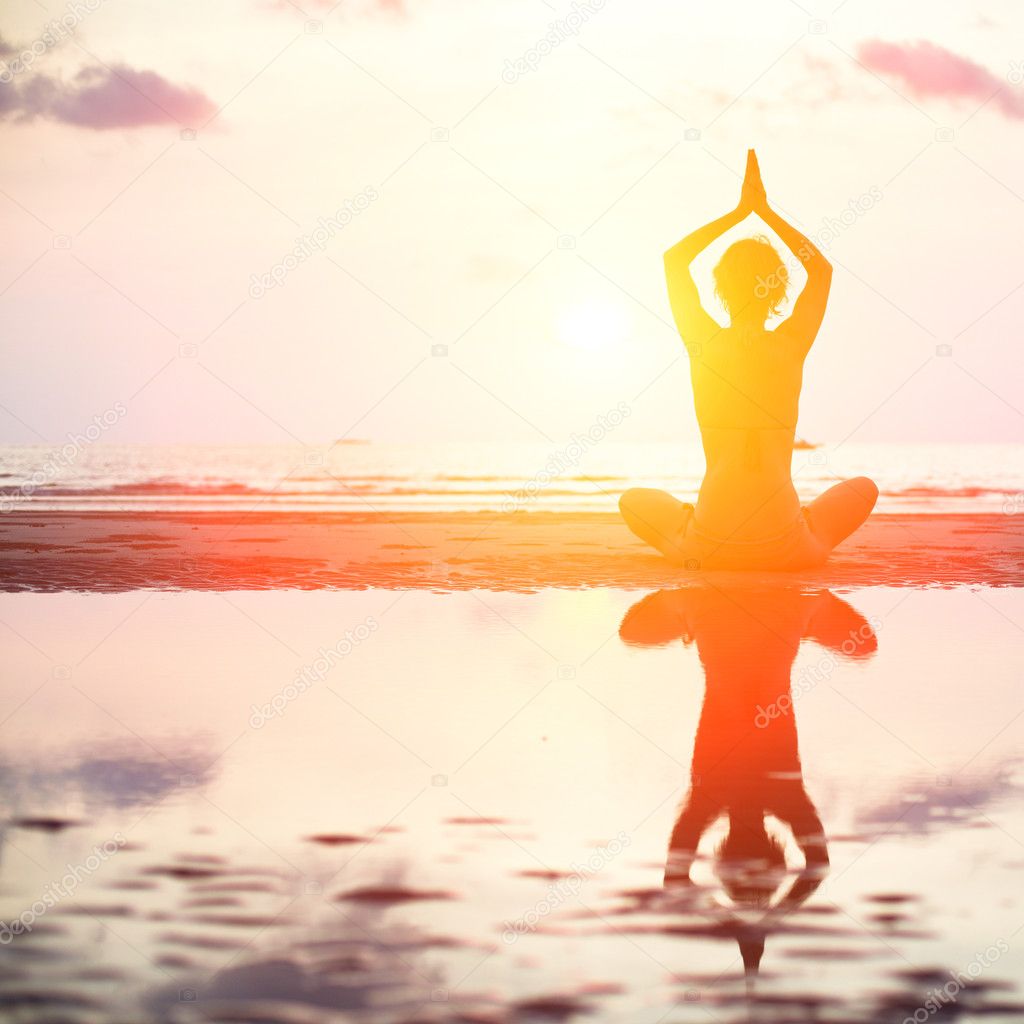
576	476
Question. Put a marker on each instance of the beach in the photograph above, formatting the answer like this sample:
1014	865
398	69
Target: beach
362	359
403	735
256	550
322	806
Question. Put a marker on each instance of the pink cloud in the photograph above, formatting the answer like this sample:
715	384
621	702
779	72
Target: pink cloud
100	98
120	97
925	70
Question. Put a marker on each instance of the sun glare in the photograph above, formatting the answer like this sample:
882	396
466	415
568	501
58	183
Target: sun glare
594	326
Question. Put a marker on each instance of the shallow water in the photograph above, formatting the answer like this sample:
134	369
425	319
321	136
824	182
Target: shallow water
585	473
407	806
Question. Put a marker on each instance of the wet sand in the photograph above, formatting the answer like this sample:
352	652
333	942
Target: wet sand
111	551
466	816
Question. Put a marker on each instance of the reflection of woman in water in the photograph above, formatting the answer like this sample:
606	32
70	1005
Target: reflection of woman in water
746	761
746	388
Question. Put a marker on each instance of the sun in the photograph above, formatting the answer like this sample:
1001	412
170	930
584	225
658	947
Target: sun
596	326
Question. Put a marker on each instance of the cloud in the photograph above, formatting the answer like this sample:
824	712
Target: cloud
114	96
927	70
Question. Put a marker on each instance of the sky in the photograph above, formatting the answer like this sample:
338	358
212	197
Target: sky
443	220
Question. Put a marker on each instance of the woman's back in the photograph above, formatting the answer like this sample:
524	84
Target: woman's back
746	391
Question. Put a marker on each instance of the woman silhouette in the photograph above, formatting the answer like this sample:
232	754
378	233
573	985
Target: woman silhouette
746	759
746	389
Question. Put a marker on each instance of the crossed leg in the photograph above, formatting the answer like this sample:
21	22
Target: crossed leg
656	518
660	520
834	515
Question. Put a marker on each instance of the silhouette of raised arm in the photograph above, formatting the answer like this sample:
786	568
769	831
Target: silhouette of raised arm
695	324
801	326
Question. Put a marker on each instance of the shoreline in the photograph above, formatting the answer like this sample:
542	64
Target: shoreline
525	551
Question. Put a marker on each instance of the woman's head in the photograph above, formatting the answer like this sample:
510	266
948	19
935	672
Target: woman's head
750	863
751	279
